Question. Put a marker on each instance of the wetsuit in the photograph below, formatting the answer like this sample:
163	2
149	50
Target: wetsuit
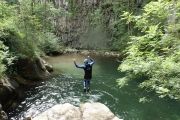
87	73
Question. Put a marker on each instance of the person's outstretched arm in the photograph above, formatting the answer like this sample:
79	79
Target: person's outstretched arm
91	61
79	66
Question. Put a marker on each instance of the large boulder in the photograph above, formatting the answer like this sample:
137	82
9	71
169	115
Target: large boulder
61	112
96	111
87	111
32	69
9	90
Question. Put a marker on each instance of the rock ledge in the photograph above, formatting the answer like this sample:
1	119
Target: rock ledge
86	111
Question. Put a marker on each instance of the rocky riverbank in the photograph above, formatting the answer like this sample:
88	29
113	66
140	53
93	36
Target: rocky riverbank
86	111
28	72
87	52
94	52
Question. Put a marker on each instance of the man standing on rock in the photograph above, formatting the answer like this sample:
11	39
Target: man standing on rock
87	66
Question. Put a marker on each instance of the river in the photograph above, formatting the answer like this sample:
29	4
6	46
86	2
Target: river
65	86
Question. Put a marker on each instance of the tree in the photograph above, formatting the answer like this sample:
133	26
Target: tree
154	54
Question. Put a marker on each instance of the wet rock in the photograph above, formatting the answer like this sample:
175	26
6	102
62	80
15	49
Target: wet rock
69	50
28	118
8	91
48	67
3	115
85	52
54	53
32	69
87	111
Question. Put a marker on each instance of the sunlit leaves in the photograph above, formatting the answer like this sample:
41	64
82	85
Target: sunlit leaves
155	53
4	57
122	81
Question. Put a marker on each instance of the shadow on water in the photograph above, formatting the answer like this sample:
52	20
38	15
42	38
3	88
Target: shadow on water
66	86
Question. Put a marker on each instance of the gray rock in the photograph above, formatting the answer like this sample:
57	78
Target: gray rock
3	115
96	111
48	67
31	69
87	111
60	112
8	90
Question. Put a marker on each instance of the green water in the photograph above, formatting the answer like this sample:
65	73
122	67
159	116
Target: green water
66	86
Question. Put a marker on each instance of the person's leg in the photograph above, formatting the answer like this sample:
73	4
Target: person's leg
85	85
88	85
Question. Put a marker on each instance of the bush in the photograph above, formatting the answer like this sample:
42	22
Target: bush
155	54
5	59
50	43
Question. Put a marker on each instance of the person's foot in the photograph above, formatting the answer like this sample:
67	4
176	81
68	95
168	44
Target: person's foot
84	90
88	90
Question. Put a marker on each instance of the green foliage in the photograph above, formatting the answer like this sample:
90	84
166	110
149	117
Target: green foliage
26	30
50	43
23	24
5	58
2	56
155	52
109	16
144	100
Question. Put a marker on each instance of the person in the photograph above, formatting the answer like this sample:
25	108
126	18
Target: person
87	66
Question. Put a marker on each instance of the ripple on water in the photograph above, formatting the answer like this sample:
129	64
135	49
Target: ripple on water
67	87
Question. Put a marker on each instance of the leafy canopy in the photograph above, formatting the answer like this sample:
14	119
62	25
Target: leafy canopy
154	53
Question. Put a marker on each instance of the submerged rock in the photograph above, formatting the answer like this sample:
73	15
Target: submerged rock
87	111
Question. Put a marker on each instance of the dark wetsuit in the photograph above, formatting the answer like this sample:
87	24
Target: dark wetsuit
87	73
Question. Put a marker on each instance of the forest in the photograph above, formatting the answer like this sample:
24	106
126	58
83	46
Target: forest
146	34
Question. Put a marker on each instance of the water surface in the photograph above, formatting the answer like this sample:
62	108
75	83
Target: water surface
66	86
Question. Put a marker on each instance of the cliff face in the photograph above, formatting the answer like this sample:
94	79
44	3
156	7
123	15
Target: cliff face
32	69
76	20
87	111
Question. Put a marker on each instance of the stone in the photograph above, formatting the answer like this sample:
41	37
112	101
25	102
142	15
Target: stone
31	69
96	111
60	112
28	118
86	111
49	67
8	90
3	115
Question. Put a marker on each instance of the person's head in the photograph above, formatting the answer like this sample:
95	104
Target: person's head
85	61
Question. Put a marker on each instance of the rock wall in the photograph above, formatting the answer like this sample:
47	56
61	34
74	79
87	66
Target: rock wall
9	90
87	111
32	69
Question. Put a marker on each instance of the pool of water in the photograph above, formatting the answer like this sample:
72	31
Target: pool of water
65	86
